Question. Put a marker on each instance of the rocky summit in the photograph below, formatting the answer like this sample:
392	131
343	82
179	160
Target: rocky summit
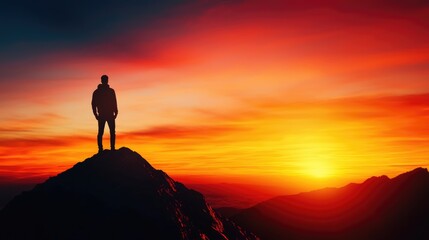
114	195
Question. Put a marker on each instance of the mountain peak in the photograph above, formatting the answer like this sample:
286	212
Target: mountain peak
123	157
376	180
418	171
417	176
114	194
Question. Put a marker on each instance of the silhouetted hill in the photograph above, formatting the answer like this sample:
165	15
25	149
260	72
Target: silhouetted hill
8	190
379	208
228	212
114	195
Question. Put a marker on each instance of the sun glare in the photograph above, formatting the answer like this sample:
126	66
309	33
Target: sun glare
315	159
318	170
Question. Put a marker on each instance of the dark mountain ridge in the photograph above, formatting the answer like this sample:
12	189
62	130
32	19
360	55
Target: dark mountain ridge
379	208
114	195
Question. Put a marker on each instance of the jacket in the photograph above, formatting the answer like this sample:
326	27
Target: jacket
104	102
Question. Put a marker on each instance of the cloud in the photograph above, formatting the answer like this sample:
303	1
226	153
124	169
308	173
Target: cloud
182	132
17	125
35	143
53	42
286	43
35	27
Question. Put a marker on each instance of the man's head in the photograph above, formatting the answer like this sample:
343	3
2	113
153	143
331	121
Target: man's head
104	79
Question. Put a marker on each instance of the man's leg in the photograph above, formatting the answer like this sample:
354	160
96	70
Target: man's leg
101	124
112	127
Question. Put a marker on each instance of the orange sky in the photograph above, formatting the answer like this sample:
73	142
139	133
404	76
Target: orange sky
299	96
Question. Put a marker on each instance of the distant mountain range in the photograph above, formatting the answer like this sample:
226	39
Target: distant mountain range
379	208
236	195
114	195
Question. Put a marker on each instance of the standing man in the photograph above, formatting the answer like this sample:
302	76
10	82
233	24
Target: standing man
105	108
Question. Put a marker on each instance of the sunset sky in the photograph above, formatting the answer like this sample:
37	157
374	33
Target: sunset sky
293	94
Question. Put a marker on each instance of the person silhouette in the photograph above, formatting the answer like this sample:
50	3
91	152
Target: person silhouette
105	109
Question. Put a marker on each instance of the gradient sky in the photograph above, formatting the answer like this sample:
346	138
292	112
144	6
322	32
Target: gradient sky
294	94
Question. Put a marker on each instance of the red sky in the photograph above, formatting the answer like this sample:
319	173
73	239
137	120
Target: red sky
294	94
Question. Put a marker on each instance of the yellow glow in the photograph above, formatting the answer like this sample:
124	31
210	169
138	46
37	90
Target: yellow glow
315	156
318	169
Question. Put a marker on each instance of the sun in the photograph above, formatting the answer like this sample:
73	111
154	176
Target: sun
315	158
318	169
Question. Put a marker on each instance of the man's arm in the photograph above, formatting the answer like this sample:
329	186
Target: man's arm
94	105
115	104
